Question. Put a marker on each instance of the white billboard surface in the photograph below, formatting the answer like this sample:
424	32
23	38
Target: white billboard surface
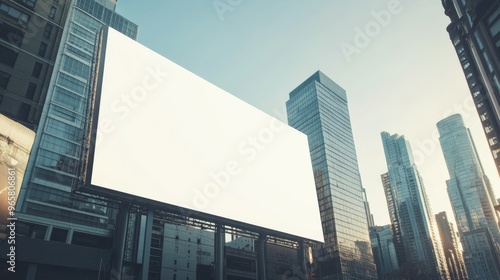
165	134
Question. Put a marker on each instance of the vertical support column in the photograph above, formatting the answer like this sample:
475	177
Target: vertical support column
261	256
119	240
302	256
31	271
147	244
220	241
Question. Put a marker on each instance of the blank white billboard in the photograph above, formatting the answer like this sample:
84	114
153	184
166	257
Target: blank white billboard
165	134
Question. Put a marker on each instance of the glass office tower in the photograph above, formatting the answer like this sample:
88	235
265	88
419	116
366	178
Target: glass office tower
318	108
51	219
472	200
419	250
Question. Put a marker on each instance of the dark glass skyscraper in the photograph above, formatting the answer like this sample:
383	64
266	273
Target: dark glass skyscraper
472	200
318	108
475	33
419	251
452	253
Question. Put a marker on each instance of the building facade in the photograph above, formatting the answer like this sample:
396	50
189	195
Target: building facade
318	108
475	33
417	243
472	199
30	34
51	218
384	251
451	249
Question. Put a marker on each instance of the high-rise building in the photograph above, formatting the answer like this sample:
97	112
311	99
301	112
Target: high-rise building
318	108
418	246
452	252
30	34
475	33
472	199
384	251
51	217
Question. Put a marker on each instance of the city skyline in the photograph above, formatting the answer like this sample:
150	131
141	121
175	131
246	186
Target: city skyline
259	51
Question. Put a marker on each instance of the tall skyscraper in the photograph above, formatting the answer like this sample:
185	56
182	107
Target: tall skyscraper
418	246
30	33
472	200
51	217
475	33
452	252
318	108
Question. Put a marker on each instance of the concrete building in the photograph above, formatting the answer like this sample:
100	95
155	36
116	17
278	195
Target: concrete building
475	34
30	35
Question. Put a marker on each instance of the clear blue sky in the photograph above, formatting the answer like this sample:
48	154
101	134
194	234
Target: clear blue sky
393	57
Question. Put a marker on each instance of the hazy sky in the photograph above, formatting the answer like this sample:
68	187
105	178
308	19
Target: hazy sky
393	57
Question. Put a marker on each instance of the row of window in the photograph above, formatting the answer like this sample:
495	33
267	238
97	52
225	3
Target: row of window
37	231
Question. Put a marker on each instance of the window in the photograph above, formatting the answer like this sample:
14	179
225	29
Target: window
7	56
31	230
496	153
28	3
52	12
493	141
59	235
47	31
30	92
91	240
42	49
37	69
11	34
24	111
484	116
15	14
4	79
175	261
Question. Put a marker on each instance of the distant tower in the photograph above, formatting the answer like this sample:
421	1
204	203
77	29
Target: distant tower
452	253
472	200
419	248
384	251
318	108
